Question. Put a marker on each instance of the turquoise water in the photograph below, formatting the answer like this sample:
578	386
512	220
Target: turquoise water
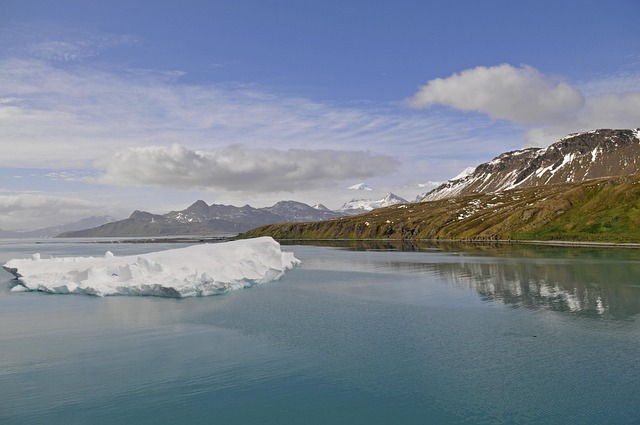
356	335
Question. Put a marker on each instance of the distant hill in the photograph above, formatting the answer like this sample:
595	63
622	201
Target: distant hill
50	232
572	159
203	219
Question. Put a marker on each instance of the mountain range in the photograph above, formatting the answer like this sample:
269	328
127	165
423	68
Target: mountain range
203	219
584	187
599	210
224	220
573	160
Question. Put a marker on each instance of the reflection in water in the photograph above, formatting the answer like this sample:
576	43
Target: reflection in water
586	281
579	287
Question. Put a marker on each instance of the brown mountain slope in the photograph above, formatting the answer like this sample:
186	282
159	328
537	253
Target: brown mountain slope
574	158
603	210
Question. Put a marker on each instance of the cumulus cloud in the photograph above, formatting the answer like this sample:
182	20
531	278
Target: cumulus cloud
521	95
236	168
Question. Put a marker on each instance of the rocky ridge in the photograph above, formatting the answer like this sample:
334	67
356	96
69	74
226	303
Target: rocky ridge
203	219
574	158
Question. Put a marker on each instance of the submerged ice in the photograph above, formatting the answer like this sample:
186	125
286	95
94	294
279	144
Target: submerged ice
197	270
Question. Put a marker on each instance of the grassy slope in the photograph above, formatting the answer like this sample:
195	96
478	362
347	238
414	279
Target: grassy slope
602	210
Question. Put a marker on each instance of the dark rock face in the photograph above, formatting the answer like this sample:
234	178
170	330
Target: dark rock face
575	158
200	219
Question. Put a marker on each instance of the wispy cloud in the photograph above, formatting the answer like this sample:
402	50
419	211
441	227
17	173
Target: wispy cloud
78	49
69	175
44	41
151	127
69	116
622	82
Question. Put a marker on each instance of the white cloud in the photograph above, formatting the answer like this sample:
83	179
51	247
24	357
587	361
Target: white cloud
619	110
521	95
66	117
33	211
237	168
621	82
615	110
70	51
61	45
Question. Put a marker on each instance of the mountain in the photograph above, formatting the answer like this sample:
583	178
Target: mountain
298	211
423	186
358	206
584	187
359	186
464	173
49	232
597	210
574	158
203	219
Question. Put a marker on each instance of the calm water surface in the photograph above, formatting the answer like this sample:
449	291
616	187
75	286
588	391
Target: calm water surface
356	335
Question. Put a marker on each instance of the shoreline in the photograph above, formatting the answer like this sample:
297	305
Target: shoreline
483	242
225	238
137	239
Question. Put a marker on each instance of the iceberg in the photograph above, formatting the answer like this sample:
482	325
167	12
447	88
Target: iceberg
197	270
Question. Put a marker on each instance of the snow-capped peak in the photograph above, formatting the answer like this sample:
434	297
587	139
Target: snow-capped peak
356	206
574	158
359	186
464	173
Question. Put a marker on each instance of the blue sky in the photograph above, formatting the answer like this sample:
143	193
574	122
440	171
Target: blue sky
107	107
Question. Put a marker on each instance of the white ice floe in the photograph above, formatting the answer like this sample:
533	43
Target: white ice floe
198	270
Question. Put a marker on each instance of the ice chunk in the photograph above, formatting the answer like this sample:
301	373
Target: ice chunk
197	270
19	288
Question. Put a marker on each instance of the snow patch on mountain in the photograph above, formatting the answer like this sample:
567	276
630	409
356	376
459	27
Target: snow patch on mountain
464	173
359	186
576	157
357	206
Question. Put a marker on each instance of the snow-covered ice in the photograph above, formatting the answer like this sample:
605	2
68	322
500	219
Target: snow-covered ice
198	270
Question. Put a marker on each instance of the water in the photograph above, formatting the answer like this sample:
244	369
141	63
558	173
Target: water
403	335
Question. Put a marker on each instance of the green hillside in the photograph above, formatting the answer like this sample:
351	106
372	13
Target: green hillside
602	210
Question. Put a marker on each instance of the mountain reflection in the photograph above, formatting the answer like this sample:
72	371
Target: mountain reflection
590	282
604	288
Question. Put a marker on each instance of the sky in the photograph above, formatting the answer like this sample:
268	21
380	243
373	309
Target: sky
111	107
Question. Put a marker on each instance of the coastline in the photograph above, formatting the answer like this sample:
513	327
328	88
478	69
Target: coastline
480	242
224	238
